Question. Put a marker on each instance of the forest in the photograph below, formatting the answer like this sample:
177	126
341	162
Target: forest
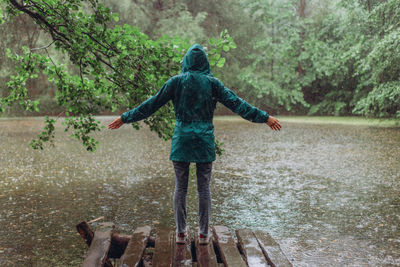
80	58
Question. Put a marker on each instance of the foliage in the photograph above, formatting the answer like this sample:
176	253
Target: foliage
380	70
382	101
273	72
115	67
46	136
353	52
328	58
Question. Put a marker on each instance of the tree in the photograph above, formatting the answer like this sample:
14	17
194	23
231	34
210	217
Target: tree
274	72
379	70
351	53
115	67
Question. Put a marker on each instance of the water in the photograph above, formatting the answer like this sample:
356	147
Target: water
328	194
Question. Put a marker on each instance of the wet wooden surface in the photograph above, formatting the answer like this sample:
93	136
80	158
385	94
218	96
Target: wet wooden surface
86	232
182	252
254	248
98	250
119	242
271	250
136	246
251	249
227	247
163	249
205	253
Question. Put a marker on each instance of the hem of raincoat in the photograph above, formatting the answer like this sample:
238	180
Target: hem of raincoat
192	160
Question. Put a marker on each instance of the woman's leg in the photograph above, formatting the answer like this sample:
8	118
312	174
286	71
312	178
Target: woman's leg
203	188
181	186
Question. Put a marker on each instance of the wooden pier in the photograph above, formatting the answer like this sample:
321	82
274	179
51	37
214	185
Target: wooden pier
157	248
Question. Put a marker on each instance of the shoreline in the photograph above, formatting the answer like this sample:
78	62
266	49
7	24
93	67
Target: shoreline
344	120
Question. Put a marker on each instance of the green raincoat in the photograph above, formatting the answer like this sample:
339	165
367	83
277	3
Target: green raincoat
194	93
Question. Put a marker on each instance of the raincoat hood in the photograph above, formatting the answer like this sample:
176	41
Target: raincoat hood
196	60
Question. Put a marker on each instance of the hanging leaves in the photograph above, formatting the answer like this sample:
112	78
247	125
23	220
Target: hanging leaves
115	67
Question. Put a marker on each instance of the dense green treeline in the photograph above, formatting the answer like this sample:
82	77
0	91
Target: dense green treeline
315	57
290	57
302	56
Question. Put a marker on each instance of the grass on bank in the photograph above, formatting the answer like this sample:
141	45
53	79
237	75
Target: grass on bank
356	121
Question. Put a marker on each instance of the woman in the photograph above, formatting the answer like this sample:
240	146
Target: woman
194	93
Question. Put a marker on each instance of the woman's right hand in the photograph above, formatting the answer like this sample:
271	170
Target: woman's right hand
116	123
273	123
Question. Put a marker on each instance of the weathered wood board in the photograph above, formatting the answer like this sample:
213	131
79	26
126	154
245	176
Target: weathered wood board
227	248
163	249
86	232
136	246
271	250
119	242
182	252
251	248
256	248
205	253
98	250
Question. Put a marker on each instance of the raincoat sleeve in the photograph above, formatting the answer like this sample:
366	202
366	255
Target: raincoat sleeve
239	106
151	105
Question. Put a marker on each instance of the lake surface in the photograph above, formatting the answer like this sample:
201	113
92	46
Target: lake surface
329	194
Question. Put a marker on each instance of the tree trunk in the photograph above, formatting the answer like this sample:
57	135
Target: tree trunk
382	33
273	54
302	15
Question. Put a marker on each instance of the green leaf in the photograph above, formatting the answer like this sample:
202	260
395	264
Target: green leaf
221	62
115	17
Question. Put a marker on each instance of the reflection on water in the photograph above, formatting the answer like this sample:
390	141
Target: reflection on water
328	194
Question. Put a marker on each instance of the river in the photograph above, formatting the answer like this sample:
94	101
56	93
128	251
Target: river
328	193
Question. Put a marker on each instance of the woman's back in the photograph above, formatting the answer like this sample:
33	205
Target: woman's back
193	99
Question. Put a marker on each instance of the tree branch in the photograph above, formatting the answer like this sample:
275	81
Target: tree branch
43	47
38	18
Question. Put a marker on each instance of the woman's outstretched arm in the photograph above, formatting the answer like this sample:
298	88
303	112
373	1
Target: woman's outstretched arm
244	109
147	108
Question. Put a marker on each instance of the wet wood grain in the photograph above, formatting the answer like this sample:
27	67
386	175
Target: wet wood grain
182	252
227	247
136	246
205	253
251	249
271	250
163	249
98	251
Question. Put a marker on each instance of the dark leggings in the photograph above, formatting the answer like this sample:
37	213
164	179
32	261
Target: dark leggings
203	171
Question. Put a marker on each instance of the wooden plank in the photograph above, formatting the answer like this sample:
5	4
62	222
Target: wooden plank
182	252
163	249
119	242
227	248
97	253
86	232
205	253
251	249
271	250
136	246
